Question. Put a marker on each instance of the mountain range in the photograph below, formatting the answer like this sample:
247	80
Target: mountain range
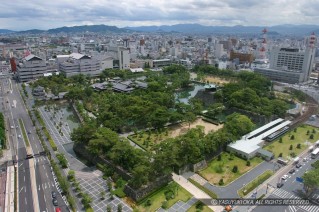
286	29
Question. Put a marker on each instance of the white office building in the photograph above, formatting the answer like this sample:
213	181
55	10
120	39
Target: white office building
76	63
31	67
289	65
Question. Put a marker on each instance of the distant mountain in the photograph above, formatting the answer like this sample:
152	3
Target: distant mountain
32	31
5	31
88	28
238	29
286	29
78	29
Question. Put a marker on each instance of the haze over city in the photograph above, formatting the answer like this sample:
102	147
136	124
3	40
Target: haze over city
22	15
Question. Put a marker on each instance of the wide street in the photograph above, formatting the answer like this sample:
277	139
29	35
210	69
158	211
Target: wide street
15	109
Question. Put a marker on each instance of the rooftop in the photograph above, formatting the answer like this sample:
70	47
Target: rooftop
251	141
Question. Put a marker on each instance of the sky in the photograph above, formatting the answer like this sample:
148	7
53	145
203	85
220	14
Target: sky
47	14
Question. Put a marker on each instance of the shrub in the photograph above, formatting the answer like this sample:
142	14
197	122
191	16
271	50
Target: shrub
221	182
219	157
165	205
292	137
235	169
280	140
248	163
280	155
199	205
307	132
290	147
148	203
298	146
311	136
219	168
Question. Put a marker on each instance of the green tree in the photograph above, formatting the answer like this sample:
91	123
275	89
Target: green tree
221	181
311	181
248	163
290	147
311	136
86	200
280	155
298	146
292	137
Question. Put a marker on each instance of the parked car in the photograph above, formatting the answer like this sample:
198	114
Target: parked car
279	185
53	194
284	177
292	171
298	165
55	202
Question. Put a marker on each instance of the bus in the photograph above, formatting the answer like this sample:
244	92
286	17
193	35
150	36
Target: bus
315	153
29	153
282	161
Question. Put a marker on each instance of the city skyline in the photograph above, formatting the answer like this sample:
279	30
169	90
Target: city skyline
17	15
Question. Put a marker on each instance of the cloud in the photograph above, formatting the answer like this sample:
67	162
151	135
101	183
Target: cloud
21	14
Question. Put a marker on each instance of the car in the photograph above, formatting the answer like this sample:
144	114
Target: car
298	165
292	171
55	202
57	210
284	177
12	127
53	194
279	185
19	136
29	132
305	159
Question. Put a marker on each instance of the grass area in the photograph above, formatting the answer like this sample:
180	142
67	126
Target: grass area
204	189
24	133
222	169
164	197
256	182
147	140
304	136
199	207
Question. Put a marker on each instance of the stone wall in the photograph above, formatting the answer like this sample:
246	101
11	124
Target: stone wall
139	194
82	151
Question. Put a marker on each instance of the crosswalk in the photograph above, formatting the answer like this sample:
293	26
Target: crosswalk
294	208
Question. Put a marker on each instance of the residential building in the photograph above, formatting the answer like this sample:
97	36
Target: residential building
161	63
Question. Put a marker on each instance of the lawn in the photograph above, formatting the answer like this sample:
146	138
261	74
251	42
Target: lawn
172	191
218	169
282	145
199	206
255	183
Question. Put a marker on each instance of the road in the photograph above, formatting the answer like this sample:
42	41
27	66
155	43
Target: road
44	177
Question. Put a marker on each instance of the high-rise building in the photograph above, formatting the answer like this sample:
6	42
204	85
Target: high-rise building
290	65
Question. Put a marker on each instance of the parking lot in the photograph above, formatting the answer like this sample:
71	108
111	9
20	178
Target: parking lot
91	182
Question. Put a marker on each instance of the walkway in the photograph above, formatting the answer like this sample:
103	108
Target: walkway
196	192
230	191
180	206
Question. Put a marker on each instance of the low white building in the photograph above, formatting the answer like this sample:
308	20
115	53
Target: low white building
249	145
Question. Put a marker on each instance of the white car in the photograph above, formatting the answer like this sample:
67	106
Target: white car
19	136
284	177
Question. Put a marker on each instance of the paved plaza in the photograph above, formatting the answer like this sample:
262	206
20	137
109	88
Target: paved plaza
90	180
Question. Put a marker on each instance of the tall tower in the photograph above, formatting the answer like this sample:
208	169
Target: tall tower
263	46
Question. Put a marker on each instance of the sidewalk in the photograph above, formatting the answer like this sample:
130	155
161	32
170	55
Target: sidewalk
196	192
